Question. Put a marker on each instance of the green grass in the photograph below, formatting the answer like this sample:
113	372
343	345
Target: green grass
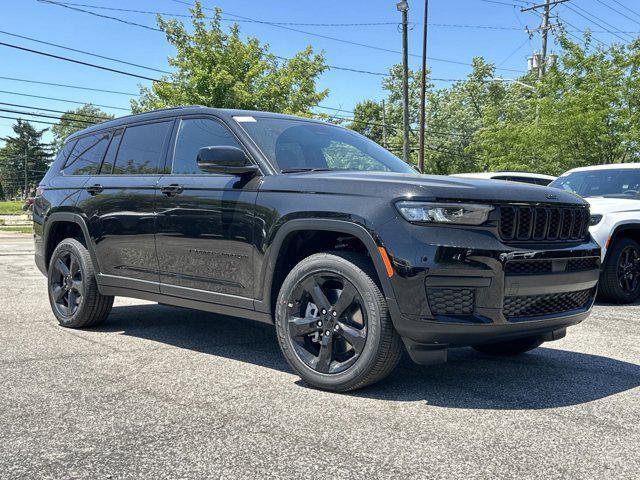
17	229
11	208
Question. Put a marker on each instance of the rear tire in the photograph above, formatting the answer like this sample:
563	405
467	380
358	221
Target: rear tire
355	347
73	290
614	286
510	348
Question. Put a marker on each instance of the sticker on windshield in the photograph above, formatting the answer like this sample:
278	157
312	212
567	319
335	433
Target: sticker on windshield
244	119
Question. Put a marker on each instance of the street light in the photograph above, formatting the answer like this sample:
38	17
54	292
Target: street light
512	80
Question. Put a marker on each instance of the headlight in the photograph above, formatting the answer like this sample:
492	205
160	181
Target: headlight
455	213
594	220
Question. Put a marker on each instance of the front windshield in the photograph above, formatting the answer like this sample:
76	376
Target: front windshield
298	145
618	183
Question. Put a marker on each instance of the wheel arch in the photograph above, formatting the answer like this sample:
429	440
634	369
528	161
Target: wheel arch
292	227
52	227
626	230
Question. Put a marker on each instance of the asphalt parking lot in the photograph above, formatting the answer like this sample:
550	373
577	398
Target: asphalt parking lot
160	392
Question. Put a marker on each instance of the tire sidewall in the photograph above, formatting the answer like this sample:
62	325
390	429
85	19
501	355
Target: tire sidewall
75	247
612	269
335	265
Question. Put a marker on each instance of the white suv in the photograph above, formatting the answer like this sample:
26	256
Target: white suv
614	194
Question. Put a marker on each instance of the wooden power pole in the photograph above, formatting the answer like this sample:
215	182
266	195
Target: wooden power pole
423	89
403	7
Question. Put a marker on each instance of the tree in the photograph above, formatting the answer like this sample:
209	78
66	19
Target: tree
218	69
25	146
74	120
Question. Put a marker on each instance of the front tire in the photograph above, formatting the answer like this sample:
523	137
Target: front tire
510	348
73	291
620	277
333	324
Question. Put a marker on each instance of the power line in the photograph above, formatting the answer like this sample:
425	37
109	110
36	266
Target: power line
67	59
595	22
627	8
181	15
84	52
63	100
28	120
95	117
78	87
42	115
617	11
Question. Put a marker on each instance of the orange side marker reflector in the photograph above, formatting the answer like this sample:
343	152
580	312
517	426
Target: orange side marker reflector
606	245
385	260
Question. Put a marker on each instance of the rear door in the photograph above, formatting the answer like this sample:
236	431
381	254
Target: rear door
120	205
205	221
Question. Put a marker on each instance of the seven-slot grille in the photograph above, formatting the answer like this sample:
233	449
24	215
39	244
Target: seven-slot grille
543	223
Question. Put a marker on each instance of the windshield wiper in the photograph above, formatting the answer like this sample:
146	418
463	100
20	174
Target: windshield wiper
298	170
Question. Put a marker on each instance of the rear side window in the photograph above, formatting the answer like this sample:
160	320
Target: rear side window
86	155
194	134
110	157
141	149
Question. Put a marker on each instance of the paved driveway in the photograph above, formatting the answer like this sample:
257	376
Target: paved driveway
160	392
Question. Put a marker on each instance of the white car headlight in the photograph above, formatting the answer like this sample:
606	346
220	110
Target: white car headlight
454	213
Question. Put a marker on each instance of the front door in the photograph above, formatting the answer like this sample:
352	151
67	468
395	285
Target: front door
205	221
120	206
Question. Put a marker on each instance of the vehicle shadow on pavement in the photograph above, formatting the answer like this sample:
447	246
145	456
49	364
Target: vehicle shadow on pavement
543	378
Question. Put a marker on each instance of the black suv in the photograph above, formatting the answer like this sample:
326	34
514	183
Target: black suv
313	227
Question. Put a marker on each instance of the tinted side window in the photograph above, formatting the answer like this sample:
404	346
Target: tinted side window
141	149
194	134
87	154
110	157
63	154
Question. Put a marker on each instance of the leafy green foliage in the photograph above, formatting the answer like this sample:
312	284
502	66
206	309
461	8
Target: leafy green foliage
584	111
219	69
25	145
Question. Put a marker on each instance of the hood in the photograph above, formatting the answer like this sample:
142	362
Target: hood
603	205
424	187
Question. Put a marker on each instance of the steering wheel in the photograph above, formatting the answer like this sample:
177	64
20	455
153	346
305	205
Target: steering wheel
630	192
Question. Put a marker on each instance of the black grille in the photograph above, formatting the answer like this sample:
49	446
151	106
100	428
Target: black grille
543	223
537	305
582	264
533	267
451	301
530	267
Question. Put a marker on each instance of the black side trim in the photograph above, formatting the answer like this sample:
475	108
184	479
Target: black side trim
263	301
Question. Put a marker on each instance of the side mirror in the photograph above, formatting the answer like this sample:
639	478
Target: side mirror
225	159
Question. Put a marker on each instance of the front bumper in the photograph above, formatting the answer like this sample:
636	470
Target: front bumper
460	287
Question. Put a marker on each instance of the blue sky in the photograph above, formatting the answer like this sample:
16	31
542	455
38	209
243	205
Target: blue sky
453	35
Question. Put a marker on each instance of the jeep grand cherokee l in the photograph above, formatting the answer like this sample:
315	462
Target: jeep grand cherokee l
351	253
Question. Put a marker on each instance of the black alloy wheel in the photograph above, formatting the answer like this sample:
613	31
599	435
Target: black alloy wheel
67	285
333	322
628	271
74	295
327	322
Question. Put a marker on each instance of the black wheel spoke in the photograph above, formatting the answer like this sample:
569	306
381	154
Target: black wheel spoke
62	268
356	337
58	293
302	326
74	266
346	299
325	356
312	286
322	311
72	298
78	287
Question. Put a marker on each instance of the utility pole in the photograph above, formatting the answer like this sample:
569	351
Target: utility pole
403	7
543	29
384	125
423	89
26	184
